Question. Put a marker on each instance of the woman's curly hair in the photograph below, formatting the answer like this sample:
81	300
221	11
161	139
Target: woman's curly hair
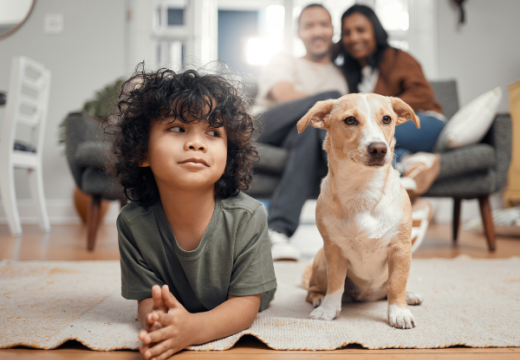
188	96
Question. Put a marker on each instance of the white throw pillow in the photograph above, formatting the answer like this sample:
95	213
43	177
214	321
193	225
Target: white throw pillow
470	123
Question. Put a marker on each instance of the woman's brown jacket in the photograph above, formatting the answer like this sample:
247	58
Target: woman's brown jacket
401	75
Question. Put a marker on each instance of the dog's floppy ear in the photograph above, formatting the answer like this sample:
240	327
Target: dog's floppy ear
316	115
404	112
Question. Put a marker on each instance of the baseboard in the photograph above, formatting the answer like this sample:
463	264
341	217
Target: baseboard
60	211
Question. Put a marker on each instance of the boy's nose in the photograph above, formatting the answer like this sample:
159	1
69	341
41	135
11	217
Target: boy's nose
196	144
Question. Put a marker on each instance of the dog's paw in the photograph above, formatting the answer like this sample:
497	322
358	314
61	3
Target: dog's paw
324	313
400	317
413	299
315	298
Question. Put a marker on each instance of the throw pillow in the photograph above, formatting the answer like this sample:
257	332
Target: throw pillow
471	122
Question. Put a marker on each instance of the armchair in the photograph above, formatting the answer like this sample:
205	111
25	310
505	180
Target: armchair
86	156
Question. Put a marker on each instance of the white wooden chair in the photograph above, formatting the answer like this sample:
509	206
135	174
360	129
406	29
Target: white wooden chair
27	103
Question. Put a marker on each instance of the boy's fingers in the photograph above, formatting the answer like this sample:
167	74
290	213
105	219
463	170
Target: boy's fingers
168	297
152	317
158	349
143	349
159	335
158	302
156	326
165	319
166	354
142	334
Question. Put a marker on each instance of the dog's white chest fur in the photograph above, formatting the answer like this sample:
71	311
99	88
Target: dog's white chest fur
364	236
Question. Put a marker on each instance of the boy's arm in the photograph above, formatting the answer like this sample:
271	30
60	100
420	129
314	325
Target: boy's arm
181	328
230	317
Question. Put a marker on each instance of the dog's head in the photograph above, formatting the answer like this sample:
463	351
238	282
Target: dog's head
360	127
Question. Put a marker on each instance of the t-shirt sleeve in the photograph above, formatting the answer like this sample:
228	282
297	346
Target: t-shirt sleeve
137	278
253	270
280	68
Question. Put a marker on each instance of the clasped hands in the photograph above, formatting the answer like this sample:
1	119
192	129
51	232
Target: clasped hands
170	326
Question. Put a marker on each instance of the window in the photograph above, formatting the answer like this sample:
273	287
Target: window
170	30
395	20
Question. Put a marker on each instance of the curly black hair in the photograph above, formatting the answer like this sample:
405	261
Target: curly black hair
188	96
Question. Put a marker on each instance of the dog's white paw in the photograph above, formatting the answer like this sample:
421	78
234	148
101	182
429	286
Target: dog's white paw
400	317
413	299
325	313
330	307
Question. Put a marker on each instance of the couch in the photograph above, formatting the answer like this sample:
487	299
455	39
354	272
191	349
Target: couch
471	172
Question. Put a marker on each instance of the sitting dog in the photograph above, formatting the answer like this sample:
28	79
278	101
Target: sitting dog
363	213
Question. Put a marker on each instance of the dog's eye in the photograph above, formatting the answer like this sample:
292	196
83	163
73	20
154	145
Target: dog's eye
351	120
387	119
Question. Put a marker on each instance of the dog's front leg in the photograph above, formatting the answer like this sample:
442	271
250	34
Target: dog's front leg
336	274
399	263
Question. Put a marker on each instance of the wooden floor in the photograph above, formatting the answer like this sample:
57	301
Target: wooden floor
68	242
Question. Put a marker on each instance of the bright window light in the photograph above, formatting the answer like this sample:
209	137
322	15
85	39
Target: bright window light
259	51
393	14
274	15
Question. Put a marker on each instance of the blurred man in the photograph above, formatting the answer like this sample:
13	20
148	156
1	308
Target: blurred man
288	88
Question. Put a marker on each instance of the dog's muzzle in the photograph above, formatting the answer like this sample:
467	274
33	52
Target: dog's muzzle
377	153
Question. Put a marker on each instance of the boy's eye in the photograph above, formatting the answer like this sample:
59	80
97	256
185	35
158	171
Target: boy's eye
176	129
213	133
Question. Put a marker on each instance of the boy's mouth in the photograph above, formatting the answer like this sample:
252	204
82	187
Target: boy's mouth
195	161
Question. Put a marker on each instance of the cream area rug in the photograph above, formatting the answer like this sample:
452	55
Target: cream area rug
466	302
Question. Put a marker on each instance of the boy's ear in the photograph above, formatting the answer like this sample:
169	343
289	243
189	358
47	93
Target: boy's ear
404	112
316	116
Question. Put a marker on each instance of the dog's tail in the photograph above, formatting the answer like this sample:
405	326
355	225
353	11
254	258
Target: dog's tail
306	278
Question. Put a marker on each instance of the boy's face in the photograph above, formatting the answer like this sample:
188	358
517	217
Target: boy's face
186	156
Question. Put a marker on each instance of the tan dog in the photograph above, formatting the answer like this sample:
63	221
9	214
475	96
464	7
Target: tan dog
363	213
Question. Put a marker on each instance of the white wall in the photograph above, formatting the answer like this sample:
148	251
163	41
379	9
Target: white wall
89	54
482	53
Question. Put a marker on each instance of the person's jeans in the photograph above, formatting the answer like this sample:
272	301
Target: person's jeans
307	161
410	140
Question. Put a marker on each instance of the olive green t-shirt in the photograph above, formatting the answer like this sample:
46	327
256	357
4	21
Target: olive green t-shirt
233	257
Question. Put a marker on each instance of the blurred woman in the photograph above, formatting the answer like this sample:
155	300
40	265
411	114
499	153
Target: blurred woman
371	65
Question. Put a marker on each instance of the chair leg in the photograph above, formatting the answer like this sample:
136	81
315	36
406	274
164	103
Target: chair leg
487	219
9	197
36	184
456	218
93	220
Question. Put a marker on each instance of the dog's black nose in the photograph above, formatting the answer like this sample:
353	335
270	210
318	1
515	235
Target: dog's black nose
377	150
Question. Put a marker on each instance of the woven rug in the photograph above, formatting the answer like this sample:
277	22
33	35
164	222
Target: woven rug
467	302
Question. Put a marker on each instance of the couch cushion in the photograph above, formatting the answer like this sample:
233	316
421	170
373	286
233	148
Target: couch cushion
272	159
263	186
467	186
466	160
471	123
446	94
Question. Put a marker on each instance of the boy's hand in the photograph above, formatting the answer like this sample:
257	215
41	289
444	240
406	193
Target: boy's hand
158	306
176	332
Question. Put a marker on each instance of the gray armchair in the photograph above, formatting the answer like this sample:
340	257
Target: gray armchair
86	155
470	172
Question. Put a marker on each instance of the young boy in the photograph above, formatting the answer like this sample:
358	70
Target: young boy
195	251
